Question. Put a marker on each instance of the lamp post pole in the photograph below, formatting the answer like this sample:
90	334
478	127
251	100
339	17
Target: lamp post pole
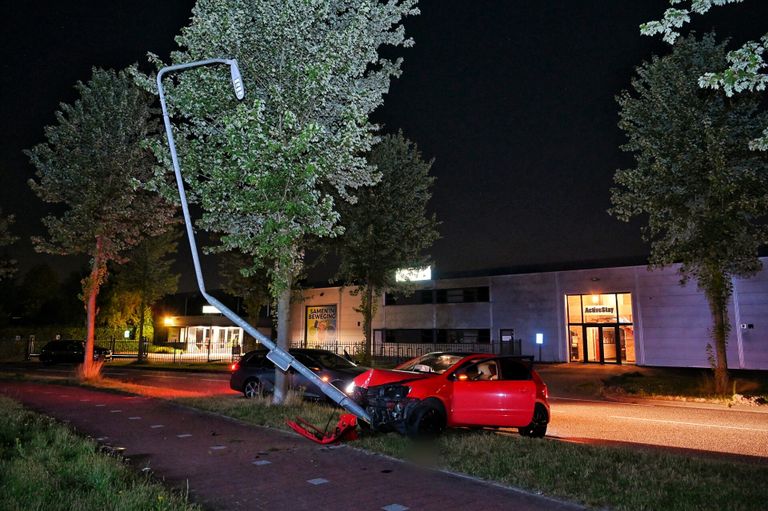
278	356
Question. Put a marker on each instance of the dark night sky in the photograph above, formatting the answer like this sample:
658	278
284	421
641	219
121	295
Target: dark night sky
514	99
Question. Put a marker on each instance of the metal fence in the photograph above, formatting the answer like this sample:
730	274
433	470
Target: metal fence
176	353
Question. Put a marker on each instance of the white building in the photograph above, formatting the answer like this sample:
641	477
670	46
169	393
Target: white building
625	315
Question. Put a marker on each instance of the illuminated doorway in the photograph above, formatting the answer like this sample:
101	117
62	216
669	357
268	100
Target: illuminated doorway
600	328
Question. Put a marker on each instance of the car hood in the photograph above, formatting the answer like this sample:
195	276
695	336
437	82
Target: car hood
349	372
374	377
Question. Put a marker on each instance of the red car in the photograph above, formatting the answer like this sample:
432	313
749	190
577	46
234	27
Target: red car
423	396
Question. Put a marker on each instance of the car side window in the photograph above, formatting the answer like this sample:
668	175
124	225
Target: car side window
512	369
256	360
306	360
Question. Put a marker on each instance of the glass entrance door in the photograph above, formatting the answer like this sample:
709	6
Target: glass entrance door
601	344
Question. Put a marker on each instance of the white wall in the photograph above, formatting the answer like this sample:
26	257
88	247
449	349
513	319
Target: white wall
672	322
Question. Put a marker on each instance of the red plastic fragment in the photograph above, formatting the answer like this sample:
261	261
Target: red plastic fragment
346	429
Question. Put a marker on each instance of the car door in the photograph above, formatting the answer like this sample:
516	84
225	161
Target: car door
298	380
493	392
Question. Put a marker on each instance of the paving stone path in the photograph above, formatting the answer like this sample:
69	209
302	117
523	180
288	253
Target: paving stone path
234	466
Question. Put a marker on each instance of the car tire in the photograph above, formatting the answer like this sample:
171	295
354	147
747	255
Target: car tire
253	388
538	426
426	420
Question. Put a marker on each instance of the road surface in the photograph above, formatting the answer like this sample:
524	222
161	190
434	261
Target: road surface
704	428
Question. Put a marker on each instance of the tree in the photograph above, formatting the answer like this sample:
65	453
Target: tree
39	289
388	228
146	278
252	288
266	170
704	193
93	164
7	265
745	69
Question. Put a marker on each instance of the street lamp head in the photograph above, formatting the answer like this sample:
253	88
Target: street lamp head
237	80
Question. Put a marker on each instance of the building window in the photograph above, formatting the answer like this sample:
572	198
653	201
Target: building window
464	336
456	295
600	328
463	295
439	336
410	336
419	297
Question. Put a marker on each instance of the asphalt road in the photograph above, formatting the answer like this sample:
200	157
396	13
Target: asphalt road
707	428
702	428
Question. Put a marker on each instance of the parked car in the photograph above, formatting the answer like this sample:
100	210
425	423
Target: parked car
71	351
254	374
423	396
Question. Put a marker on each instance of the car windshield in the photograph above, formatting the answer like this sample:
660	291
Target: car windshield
431	363
330	360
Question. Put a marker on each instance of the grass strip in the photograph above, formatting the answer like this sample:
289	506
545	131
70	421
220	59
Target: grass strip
598	476
682	383
45	466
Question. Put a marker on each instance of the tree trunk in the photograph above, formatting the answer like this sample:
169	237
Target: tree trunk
283	317
718	292
367	310
91	291
141	354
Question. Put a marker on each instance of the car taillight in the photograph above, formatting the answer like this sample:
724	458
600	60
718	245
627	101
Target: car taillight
234	367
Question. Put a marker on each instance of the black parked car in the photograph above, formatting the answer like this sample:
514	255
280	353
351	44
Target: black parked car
254	374
71	351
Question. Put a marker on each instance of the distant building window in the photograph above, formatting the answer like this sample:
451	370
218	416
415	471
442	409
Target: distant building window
464	336
410	336
419	297
463	295
439	336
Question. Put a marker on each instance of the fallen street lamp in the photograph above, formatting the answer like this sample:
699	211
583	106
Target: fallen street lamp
278	356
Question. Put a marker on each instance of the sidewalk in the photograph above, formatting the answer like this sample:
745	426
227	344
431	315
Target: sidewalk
229	465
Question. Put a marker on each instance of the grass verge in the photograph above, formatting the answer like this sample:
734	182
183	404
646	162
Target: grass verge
44	465
679	383
598	476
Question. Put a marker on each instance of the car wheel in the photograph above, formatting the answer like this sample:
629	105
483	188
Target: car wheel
538	426
426	420
253	388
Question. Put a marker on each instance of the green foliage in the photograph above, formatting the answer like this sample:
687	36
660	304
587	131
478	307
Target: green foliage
44	465
7	265
746	67
266	170
388	228
252	287
147	274
93	165
38	290
704	194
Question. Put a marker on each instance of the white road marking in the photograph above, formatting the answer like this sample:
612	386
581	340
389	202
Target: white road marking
184	435
98	406
155	426
317	481
115	411
261	462
218	447
395	507
681	423
134	418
